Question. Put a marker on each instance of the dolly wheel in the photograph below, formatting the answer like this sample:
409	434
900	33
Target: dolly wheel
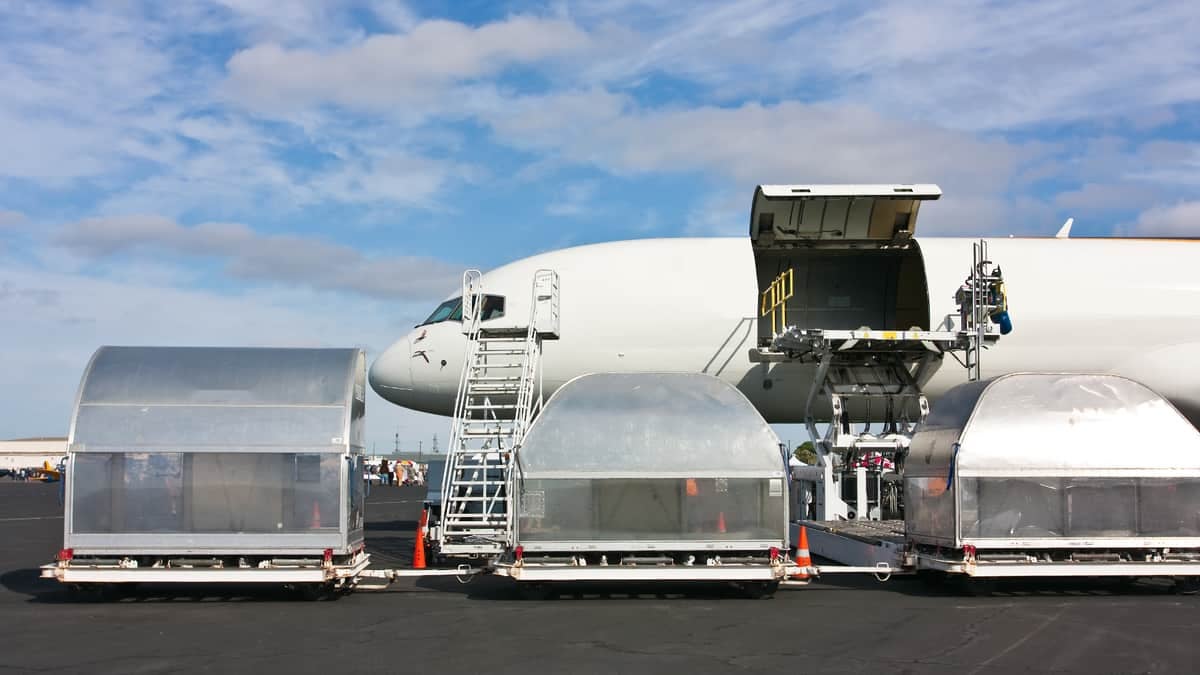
317	591
977	587
98	592
1187	585
760	590
534	591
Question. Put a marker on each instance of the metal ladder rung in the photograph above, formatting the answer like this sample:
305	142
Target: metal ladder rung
492	464
475	519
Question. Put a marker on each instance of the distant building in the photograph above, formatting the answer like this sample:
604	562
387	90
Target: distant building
26	453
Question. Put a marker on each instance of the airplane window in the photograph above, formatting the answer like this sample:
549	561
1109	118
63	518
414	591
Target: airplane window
493	307
450	310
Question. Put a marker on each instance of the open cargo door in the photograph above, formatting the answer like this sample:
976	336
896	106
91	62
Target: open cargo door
839	257
832	216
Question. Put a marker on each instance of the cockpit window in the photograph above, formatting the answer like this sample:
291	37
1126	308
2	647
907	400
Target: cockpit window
451	310
493	307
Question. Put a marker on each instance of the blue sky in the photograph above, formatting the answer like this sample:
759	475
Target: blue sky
319	173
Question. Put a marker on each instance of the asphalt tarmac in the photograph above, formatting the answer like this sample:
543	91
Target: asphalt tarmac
846	625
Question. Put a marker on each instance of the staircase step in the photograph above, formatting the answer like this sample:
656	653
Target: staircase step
476	520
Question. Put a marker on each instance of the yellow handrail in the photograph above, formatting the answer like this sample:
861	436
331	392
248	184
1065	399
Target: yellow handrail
775	297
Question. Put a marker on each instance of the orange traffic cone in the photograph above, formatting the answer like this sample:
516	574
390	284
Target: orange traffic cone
803	558
316	516
721	522
419	544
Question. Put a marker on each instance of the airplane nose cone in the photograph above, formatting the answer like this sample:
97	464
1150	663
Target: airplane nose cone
391	374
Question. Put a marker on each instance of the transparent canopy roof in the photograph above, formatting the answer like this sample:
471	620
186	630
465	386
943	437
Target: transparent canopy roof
650	425
1030	422
182	397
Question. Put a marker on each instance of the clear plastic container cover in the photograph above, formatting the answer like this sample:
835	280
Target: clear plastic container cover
1038	507
236	399
651	461
1051	423
650	425
210	492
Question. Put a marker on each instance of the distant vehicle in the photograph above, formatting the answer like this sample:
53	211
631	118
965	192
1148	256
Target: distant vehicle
49	473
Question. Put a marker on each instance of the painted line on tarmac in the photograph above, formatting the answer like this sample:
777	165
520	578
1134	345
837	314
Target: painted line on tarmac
398	501
12	520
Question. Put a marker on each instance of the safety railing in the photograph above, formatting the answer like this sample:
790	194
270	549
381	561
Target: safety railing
774	300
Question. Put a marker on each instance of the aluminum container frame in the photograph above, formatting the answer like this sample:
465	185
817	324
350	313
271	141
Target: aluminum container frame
1043	427
134	401
633	426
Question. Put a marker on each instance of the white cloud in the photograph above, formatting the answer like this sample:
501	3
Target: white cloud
11	218
991	65
124	101
1178	220
393	178
89	92
573	200
414	68
751	141
784	143
295	21
239	168
248	255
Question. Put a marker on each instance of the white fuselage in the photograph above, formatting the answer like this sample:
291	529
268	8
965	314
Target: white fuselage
1129	307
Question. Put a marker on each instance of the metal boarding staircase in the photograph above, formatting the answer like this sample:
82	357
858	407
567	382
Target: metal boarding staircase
861	373
499	395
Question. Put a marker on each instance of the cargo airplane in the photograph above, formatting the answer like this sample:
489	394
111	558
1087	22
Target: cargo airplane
1124	306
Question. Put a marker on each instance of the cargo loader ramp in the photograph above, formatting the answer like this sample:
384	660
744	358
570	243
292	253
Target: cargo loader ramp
842	287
